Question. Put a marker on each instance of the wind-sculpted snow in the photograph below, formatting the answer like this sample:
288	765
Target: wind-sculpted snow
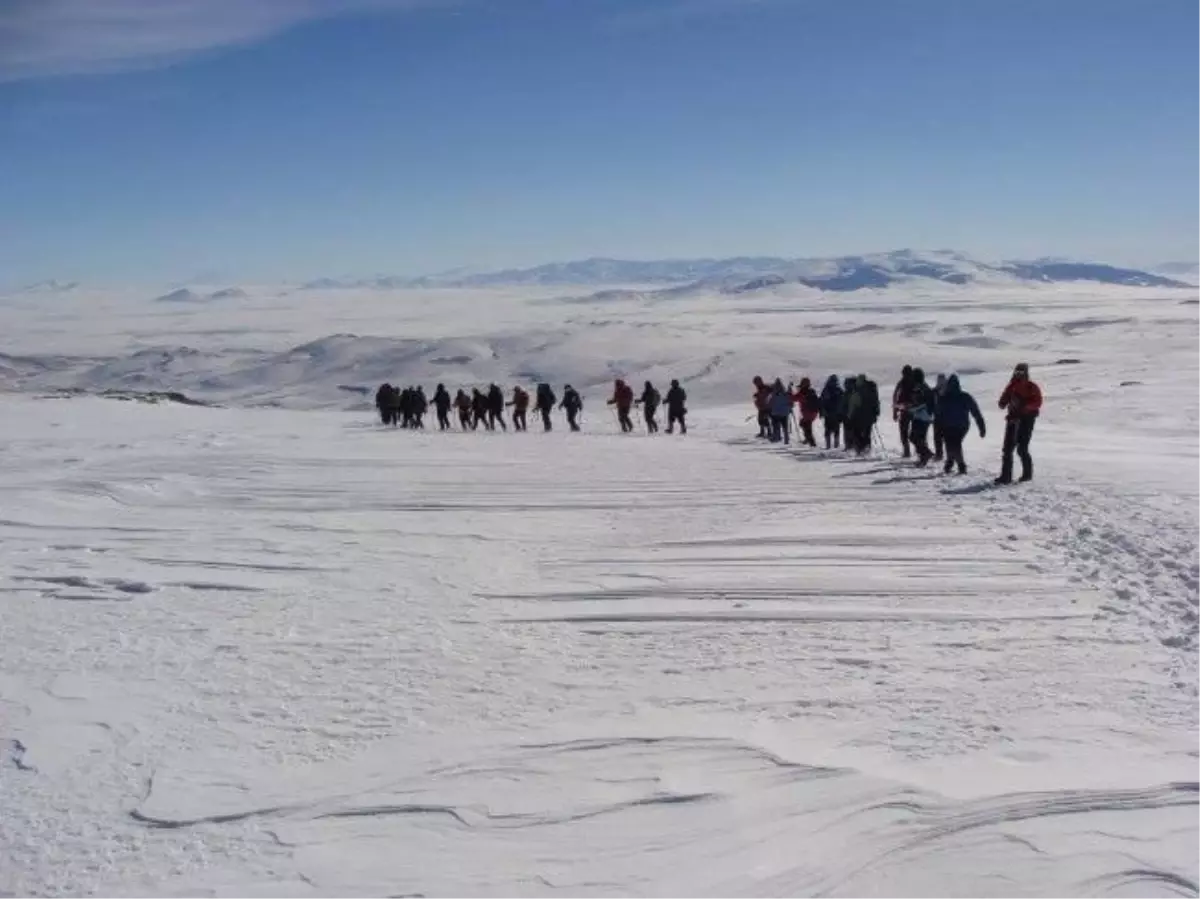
268	647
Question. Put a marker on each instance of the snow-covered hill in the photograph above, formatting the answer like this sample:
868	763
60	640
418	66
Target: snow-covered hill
188	295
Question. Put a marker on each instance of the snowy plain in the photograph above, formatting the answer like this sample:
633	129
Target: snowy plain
267	647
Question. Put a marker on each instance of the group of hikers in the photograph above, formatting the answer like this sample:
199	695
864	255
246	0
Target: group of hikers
852	408
408	407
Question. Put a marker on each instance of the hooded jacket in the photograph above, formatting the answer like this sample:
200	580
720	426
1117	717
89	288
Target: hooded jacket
832	399
958	407
780	403
808	401
622	396
676	399
1022	398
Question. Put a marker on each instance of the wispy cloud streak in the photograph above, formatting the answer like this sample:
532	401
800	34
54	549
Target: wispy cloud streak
60	37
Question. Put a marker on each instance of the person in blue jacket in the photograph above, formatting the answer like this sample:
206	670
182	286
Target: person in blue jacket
779	407
955	411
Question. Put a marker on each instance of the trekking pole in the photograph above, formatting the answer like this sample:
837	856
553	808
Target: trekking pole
883	446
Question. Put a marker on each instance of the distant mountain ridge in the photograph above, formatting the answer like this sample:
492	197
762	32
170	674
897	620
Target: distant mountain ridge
741	274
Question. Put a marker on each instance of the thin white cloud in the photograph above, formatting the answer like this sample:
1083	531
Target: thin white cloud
61	37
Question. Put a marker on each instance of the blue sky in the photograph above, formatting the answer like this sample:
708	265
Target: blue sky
149	139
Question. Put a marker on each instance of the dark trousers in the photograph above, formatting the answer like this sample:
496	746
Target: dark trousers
443	418
905	421
651	424
572	418
939	439
919	435
806	427
519	419
496	417
858	435
952	439
623	419
781	428
676	416
833	432
764	423
546	425
1017	435
464	419
418	420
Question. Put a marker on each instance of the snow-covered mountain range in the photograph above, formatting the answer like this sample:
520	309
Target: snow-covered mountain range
747	273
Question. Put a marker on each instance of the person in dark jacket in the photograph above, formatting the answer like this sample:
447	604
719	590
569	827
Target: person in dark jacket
921	410
622	398
462	403
862	412
442	403
404	406
1022	399
649	401
762	397
520	404
545	405
779	407
832	399
676	408
495	408
479	410
420	406
849	388
386	403
901	401
939	390
955	411
572	404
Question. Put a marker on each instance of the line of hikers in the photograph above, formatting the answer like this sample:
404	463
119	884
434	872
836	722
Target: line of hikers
944	408
851	410
408	407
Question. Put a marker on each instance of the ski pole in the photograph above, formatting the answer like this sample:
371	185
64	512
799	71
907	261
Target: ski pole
883	446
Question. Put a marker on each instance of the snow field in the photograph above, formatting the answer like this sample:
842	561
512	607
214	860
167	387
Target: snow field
284	651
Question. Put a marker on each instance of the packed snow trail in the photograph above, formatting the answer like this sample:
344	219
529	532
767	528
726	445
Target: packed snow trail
293	652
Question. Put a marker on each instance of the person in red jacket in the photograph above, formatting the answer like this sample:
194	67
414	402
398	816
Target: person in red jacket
622	398
809	403
1022	399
